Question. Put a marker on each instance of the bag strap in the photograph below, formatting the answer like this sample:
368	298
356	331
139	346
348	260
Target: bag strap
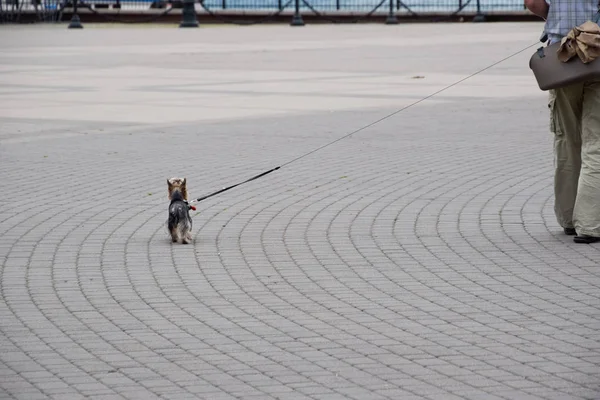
597	17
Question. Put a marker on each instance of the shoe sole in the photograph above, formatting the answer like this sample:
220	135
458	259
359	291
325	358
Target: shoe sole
585	239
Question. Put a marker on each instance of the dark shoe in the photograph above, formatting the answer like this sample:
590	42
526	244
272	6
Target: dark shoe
570	231
586	239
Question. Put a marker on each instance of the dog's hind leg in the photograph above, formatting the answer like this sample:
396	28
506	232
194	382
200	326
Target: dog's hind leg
187	237
186	231
174	234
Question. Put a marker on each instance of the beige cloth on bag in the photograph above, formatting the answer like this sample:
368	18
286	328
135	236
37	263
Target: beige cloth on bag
583	41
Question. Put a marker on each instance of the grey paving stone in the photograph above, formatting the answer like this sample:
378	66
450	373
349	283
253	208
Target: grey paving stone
418	258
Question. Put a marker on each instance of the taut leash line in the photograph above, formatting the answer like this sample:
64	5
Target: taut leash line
232	186
364	127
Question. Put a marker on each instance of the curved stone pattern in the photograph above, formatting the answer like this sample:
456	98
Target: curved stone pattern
417	259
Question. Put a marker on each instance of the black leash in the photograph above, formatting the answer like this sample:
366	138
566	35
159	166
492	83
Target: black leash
362	128
232	186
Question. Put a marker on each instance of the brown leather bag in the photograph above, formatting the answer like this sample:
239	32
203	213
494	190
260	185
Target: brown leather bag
551	73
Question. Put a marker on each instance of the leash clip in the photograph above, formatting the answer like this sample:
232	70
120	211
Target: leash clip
540	52
191	207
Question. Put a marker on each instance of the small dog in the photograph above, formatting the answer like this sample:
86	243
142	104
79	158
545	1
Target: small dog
180	222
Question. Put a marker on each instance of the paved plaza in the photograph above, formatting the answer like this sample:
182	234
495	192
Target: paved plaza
416	259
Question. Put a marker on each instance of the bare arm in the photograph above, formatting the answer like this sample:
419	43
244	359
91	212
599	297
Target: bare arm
538	7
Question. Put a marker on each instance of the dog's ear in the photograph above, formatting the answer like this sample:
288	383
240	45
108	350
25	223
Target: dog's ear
184	188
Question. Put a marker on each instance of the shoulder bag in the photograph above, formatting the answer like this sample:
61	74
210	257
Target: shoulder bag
551	73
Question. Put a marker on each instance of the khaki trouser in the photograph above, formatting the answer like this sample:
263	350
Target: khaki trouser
575	122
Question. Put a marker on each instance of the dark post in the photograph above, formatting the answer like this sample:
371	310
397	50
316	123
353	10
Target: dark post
188	13
391	18
479	17
75	21
297	19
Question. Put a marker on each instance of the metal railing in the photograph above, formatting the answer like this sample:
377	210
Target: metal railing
137	11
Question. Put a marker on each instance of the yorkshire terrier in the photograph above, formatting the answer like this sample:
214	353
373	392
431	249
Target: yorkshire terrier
179	222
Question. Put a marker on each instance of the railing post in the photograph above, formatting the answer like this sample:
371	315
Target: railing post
75	21
188	14
391	18
297	19
479	17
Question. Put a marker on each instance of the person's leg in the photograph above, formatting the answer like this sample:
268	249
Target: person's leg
586	216
565	122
